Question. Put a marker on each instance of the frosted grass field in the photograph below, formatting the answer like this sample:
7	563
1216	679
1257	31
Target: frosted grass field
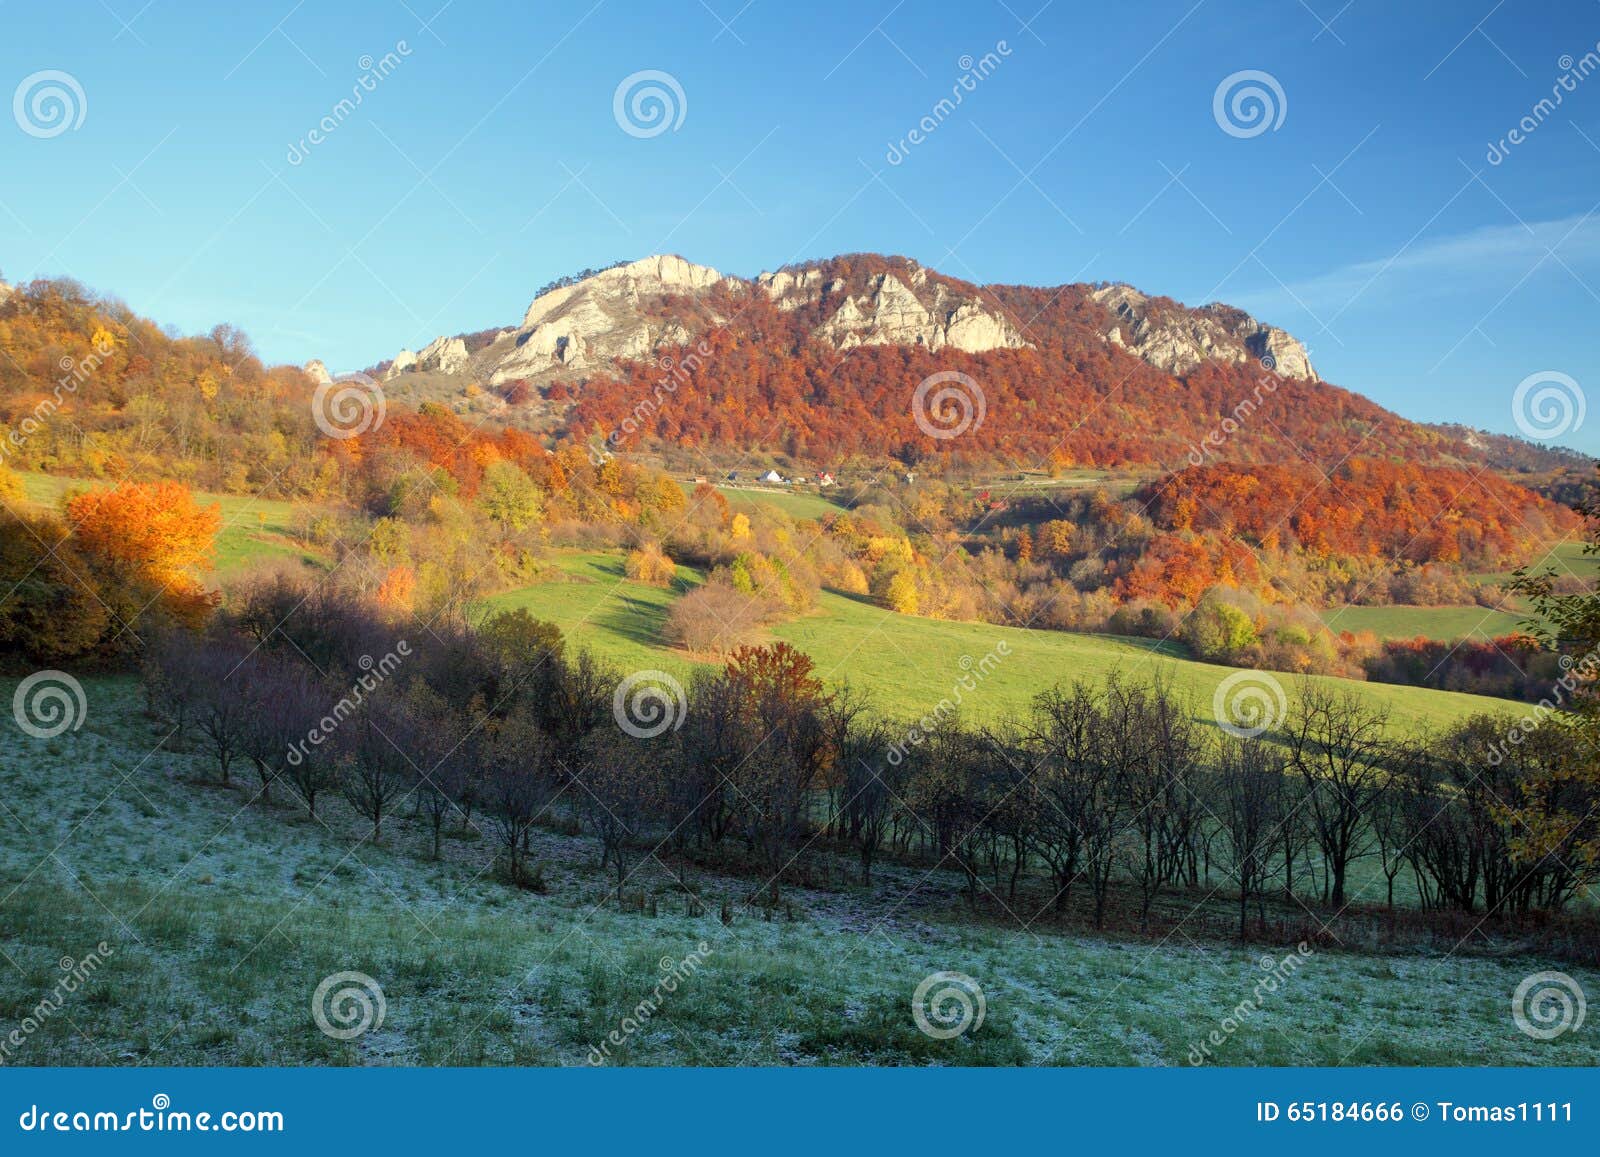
222	915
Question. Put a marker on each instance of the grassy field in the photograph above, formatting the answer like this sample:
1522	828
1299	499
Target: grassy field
1444	623
906	664
221	915
1565	558
1119	485
253	529
909	664
797	504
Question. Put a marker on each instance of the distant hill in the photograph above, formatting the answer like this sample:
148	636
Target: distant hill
823	360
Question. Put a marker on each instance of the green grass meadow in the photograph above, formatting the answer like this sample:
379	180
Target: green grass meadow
253	529
797	504
1445	624
908	664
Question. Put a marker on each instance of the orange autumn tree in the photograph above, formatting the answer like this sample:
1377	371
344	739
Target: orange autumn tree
774	679
150	536
397	592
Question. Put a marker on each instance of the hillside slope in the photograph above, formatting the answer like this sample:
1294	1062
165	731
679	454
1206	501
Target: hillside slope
828	355
908	664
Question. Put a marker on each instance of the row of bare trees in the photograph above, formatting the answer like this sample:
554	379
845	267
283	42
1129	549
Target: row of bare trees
1109	791
1114	784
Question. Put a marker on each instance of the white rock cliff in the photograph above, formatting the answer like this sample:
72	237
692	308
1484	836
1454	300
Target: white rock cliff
1179	340
631	311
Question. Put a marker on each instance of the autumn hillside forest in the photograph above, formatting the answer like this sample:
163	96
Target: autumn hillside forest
1230	509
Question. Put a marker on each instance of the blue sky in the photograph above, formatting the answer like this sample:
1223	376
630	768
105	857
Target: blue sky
1369	221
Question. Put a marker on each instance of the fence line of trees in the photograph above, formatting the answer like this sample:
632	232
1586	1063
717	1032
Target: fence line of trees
1107	792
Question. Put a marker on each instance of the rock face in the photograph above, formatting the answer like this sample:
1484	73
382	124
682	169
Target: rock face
1178	340
599	318
403	361
445	355
1280	351
892	314
632	311
620	313
318	372
448	355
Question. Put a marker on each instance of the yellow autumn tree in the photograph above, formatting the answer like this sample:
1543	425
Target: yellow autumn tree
650	565
901	593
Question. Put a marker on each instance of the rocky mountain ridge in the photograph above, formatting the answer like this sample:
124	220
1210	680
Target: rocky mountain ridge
634	311
1179	340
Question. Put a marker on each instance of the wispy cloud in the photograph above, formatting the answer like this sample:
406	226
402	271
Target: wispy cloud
1493	259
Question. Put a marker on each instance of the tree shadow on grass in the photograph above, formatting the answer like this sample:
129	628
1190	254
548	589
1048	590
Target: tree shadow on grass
632	618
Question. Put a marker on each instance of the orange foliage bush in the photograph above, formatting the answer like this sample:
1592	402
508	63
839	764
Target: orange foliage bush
150	534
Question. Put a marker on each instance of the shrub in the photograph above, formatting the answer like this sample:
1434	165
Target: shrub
715	619
649	565
1218	630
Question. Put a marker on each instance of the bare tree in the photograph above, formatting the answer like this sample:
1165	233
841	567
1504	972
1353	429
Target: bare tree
1159	785
1064	725
446	757
1119	748
711	745
169	675
377	769
281	711
1013	815
1250	808
948	793
618	790
518	784
1337	745
874	785
577	701
221	710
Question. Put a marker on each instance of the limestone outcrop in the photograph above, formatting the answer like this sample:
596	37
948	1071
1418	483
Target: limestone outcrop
1178	340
